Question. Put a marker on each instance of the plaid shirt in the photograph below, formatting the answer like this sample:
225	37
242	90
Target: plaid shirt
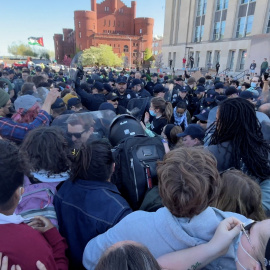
16	131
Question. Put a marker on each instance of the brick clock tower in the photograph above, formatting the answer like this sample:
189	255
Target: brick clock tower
111	22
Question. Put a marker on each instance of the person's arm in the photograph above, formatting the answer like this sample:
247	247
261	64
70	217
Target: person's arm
199	256
55	240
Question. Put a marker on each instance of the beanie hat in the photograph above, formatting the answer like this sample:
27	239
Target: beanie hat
4	98
25	102
67	97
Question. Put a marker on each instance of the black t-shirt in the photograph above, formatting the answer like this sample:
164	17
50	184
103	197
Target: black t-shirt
157	124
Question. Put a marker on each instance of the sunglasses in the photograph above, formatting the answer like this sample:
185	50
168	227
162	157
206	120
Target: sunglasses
203	122
77	135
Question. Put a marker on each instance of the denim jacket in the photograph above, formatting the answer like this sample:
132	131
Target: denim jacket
85	209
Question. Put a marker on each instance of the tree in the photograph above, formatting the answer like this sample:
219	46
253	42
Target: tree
21	49
159	60
102	55
147	55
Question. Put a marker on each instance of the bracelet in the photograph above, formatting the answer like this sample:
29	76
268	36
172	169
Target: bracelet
164	141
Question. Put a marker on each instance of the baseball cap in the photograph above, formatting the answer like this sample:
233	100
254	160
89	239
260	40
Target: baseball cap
199	90
230	91
136	82
121	80
38	69
99	86
106	106
59	103
112	96
193	130
247	95
219	85
154	75
201	80
203	115
183	89
73	102
211	95
159	88
25	102
107	87
179	79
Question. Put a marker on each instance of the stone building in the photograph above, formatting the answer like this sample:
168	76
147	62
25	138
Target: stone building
231	32
113	23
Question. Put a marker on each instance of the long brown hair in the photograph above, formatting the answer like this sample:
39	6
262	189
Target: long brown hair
164	106
240	194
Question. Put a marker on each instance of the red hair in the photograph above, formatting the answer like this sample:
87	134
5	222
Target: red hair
23	116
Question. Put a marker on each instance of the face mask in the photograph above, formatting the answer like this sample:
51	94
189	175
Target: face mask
253	84
179	114
152	113
6	89
239	87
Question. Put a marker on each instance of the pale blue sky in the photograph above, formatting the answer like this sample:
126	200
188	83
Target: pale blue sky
23	19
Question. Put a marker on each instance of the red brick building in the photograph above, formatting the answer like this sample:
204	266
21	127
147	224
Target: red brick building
111	22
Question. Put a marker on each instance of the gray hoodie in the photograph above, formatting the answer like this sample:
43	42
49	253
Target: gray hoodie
162	233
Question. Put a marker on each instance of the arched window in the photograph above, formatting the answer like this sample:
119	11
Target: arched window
125	48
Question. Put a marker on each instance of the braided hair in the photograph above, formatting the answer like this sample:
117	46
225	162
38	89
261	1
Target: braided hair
237	123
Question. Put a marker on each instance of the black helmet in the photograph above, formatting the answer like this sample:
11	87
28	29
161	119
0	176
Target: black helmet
122	127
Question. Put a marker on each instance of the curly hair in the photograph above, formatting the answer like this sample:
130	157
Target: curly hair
189	181
46	149
237	123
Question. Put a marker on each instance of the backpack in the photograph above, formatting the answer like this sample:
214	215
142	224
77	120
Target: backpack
37	200
135	167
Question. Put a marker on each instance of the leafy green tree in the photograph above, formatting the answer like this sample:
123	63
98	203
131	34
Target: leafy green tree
102	55
21	49
159	60
147	55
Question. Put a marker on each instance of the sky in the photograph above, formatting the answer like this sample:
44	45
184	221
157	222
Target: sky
23	19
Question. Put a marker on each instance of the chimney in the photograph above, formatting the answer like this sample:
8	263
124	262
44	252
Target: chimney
94	5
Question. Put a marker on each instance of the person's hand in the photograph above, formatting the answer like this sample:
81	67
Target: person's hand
41	224
4	264
143	126
146	117
226	231
52	96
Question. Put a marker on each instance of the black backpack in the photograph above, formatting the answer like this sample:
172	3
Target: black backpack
135	167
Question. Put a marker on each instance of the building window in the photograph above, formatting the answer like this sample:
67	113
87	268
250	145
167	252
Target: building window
79	24
245	18
217	57
107	8
104	22
109	23
243	60
140	31
201	9
199	33
125	48
121	10
219	29
244	26
231	61
247	1
209	59
135	53
94	26
197	60
222	4
268	24
80	35
114	23
199	22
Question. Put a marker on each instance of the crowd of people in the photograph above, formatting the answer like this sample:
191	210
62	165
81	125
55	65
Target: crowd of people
60	204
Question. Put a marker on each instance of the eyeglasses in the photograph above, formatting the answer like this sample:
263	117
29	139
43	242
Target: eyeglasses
77	135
